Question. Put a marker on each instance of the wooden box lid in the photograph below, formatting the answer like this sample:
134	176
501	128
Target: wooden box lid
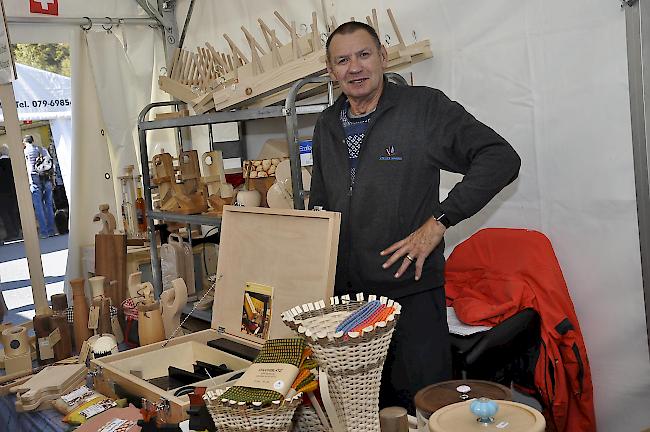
292	251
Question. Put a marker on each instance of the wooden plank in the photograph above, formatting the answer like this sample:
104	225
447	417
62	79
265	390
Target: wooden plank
172	115
176	89
110	261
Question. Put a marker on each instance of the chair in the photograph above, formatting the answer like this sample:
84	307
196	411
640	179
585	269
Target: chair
501	354
508	351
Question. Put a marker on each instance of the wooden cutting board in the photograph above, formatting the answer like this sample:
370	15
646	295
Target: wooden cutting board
45	400
110	261
49	380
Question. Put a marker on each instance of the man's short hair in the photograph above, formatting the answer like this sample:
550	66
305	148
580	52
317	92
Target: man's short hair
351	27
28	139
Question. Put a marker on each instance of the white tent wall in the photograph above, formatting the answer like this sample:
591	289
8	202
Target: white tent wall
551	77
90	158
62	135
125	56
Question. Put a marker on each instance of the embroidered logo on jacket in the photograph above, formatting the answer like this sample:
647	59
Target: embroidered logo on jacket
391	155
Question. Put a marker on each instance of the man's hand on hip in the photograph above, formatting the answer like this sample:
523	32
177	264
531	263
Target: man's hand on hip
415	248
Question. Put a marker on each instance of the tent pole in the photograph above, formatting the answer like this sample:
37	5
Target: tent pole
83	21
27	217
637	17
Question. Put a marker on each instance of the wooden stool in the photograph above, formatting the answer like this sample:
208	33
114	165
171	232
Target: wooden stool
431	398
512	416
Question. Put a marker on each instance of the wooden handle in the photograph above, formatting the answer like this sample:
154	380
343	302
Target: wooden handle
59	302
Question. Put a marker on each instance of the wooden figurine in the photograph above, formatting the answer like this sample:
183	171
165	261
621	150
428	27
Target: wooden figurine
80	313
220	192
173	300
190	171
172	196
106	218
162	175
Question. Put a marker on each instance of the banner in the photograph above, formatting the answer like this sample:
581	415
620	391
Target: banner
47	7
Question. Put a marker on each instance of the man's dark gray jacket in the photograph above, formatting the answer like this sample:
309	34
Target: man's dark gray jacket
413	134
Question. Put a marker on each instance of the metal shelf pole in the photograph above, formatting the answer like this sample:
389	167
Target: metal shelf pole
292	136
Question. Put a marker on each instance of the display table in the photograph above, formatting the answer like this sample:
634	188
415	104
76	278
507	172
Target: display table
48	420
512	416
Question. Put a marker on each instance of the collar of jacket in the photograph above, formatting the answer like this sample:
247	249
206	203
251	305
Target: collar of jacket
387	99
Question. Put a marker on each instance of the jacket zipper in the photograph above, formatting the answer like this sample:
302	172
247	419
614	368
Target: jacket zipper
351	190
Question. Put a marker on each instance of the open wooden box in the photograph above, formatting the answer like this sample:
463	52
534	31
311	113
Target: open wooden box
292	251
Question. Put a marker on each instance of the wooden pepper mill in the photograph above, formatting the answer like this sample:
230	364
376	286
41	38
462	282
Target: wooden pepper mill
80	313
150	324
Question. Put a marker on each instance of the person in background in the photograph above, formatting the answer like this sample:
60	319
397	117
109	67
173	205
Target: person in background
8	199
38	159
378	152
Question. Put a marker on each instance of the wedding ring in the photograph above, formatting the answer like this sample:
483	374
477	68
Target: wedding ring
409	257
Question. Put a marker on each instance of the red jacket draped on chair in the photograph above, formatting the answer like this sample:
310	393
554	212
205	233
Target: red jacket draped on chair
498	272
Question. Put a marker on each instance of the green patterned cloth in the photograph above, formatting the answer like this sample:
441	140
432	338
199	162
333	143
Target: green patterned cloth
274	351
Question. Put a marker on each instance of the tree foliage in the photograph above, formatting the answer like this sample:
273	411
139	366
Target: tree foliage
50	57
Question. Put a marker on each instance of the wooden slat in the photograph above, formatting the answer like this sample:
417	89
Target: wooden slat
235	49
395	27
172	66
250	37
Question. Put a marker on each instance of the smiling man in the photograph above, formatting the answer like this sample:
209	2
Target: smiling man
378	152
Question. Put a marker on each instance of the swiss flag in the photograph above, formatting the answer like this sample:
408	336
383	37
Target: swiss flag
47	7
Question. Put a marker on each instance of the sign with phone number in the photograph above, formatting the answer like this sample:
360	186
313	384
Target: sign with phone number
43	103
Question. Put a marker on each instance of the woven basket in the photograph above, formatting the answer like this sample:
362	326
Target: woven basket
305	419
353	362
245	417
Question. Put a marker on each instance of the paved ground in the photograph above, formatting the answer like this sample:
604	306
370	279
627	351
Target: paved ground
14	275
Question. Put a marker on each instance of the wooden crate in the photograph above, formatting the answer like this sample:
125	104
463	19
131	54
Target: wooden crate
293	251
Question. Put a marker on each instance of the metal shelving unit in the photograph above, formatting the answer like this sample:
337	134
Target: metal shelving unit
290	111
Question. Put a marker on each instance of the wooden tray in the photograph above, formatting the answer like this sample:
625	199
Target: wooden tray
292	251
